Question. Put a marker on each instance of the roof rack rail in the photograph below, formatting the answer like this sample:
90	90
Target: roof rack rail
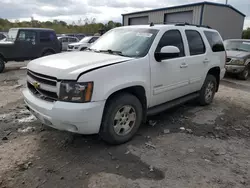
188	24
179	24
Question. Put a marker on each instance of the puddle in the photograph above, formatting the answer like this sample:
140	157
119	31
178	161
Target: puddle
207	116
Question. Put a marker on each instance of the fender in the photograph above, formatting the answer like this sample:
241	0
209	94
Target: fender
247	62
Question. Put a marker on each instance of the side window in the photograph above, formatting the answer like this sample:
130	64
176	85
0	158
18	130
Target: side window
172	38
64	39
93	39
214	41
72	40
29	36
195	42
47	36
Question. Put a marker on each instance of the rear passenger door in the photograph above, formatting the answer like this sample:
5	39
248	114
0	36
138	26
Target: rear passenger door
197	59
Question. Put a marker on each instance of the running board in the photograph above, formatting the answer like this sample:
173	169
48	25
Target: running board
171	104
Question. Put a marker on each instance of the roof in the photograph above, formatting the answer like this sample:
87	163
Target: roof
189	5
32	28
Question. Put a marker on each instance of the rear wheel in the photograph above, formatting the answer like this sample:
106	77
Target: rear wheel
47	53
2	65
122	118
244	75
208	90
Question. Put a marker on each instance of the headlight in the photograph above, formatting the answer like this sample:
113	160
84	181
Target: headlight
78	92
238	61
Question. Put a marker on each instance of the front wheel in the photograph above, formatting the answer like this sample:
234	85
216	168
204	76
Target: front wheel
2	65
122	118
244	75
208	90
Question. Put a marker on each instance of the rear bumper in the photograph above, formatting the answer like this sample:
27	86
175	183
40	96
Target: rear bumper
235	68
73	117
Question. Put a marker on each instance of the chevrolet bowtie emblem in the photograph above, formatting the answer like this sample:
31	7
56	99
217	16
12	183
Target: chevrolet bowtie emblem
36	85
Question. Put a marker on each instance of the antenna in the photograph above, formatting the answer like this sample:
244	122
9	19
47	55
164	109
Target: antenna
151	24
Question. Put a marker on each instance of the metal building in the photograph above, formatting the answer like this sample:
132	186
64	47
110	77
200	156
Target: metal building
223	17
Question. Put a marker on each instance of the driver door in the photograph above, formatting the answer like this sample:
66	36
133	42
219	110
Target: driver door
26	44
169	77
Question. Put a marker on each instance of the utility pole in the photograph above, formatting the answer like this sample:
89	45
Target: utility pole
226	2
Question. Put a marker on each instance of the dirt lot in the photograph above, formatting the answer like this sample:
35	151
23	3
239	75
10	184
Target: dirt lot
188	146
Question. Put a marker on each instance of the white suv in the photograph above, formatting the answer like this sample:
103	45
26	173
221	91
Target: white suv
82	44
129	73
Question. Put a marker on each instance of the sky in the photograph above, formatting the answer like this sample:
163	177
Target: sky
101	10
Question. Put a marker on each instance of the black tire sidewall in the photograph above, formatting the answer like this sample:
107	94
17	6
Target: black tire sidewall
107	131
47	53
209	78
242	75
2	65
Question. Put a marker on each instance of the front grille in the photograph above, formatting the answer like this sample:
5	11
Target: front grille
47	89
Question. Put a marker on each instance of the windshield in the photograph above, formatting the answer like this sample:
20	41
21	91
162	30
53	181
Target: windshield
130	42
85	40
12	34
238	45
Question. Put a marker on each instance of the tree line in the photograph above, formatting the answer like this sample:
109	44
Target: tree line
87	26
246	33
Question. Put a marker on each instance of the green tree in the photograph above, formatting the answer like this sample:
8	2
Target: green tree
246	34
87	26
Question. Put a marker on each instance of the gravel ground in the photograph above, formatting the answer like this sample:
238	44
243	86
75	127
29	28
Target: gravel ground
188	146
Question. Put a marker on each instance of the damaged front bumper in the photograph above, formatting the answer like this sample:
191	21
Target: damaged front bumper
73	117
235	69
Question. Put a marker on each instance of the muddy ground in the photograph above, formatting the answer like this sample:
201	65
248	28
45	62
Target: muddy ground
188	146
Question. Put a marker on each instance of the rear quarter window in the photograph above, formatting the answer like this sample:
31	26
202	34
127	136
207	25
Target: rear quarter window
215	41
47	36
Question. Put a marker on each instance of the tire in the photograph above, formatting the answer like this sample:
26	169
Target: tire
117	112
83	48
244	74
208	90
47	53
2	65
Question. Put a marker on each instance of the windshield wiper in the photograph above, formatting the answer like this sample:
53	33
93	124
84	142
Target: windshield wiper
112	52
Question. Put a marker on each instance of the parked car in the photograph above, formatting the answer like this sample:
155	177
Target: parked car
27	44
66	40
82	44
127	74
238	57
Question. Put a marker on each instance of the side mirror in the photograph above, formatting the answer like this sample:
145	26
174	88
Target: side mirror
167	52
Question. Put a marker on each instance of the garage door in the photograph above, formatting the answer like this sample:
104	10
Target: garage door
179	17
139	21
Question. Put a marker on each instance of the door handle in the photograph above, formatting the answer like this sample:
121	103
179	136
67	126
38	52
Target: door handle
184	65
206	61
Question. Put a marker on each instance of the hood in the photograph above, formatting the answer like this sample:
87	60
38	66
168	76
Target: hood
237	54
68	65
